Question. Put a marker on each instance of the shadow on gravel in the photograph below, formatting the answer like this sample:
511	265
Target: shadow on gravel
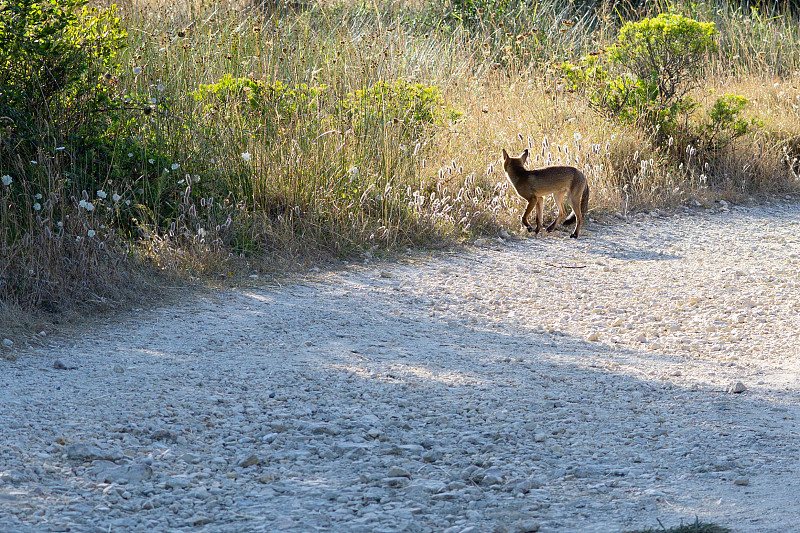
373	415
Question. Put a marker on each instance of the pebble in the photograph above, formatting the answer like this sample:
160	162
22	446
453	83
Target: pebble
340	404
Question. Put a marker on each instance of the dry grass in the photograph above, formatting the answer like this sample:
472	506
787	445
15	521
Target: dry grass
207	191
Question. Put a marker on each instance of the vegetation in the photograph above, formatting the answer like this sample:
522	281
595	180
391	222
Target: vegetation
194	142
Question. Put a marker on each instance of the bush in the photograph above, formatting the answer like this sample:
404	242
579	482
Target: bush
664	57
57	59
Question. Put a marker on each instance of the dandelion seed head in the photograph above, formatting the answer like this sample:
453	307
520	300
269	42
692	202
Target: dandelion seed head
90	233
7	180
37	206
246	156
160	87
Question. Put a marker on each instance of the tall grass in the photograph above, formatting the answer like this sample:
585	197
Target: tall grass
357	129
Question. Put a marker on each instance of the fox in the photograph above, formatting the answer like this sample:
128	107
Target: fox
560	181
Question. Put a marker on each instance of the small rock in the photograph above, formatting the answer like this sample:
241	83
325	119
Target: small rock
540	437
526	526
177	482
164	434
8	343
249	461
87	452
593	337
742	481
736	388
398	471
386	274
61	365
119	369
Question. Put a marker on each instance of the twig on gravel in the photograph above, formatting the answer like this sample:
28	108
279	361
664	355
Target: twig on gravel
566	266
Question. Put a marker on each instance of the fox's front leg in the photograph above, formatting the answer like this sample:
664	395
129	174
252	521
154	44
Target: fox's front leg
539	213
528	209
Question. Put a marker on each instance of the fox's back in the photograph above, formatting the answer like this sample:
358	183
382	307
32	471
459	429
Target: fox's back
547	180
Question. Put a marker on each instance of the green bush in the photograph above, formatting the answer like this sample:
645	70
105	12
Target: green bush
411	105
664	58
270	103
667	52
724	121
57	59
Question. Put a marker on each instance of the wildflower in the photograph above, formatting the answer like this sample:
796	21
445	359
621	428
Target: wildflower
86	205
101	194
130	154
37	206
246	156
160	87
38	196
90	233
116	197
137	71
151	161
175	166
7	180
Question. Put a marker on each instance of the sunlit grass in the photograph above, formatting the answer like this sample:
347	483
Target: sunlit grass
201	187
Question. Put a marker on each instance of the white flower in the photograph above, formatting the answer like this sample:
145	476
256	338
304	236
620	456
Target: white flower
60	148
86	205
151	161
101	194
7	180
130	154
246	156
175	166
153	101
38	196
127	202
37	206
60	224
90	233
137	71
34	162
116	197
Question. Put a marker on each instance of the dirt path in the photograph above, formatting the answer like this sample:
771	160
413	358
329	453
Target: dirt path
540	384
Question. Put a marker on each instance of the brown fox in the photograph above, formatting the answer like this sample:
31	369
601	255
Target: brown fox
534	185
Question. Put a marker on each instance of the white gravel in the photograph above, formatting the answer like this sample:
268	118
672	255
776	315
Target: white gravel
542	384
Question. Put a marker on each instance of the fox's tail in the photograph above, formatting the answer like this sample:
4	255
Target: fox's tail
584	206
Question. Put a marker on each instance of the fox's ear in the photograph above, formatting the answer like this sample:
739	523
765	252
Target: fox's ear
524	156
505	154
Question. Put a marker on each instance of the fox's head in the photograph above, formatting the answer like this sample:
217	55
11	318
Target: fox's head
514	163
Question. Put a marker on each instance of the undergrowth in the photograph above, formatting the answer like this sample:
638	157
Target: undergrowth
200	142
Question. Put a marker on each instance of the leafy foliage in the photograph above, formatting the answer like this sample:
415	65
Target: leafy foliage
56	61
664	57
412	105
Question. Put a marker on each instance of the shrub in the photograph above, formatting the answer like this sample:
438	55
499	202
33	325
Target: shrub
412	105
664	57
57	59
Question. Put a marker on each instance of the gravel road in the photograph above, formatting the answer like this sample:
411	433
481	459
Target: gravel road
648	372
